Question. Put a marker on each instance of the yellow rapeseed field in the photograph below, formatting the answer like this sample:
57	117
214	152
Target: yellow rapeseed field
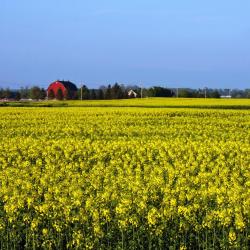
124	178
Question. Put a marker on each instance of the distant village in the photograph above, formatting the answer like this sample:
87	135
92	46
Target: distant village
67	90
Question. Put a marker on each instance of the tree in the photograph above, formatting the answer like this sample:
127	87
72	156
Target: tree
214	94
186	93
43	94
59	94
17	95
1	93
92	94
85	92
100	94
6	93
247	92
35	93
25	93
116	92
108	92
160	92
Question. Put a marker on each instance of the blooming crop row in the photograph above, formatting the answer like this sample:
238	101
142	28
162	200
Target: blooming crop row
124	178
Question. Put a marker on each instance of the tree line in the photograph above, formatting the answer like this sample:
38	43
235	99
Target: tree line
120	91
34	93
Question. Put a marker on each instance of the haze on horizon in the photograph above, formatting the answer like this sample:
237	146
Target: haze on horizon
167	43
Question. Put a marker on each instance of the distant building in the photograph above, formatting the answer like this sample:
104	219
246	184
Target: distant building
132	94
64	89
225	96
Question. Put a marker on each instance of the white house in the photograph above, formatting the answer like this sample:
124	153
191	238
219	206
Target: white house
132	93
225	96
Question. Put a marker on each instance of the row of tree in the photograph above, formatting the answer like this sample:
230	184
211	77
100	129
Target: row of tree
119	91
34	93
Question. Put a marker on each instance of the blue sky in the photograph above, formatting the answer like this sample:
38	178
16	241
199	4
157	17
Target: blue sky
159	42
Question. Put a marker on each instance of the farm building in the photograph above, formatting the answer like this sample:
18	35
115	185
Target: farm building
225	96
62	90
132	94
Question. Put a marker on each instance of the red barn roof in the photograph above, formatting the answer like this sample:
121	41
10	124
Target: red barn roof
68	89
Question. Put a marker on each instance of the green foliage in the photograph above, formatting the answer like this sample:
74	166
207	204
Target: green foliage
83	93
117	92
100	94
159	92
108	92
214	94
185	93
37	93
25	93
5	93
51	94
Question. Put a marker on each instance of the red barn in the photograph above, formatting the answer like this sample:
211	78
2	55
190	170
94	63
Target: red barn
62	90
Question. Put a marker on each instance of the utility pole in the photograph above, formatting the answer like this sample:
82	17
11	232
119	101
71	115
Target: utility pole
141	91
81	91
205	92
177	92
